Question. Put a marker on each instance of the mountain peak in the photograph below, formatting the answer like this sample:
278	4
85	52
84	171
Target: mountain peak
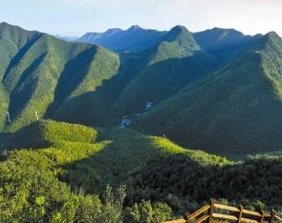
6	25
181	35
178	29
272	34
272	37
134	27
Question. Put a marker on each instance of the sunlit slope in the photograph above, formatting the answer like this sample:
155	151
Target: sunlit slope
235	110
65	167
93	158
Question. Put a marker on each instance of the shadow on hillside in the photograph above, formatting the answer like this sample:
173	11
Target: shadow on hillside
19	56
19	99
129	90
122	161
152	176
92	108
3	137
73	74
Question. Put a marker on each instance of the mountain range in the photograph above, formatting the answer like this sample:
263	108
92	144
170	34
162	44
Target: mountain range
123	125
216	90
135	39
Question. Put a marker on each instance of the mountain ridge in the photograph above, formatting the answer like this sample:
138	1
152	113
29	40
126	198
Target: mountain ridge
91	135
204	116
90	85
134	39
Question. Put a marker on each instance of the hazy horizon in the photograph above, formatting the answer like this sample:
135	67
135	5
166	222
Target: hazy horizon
76	17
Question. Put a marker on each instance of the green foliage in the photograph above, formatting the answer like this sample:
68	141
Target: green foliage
233	111
198	101
255	180
144	211
69	180
45	133
173	64
31	192
41	73
162	211
76	168
87	84
112	211
54	171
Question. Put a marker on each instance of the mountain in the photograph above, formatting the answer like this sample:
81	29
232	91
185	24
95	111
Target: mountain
221	95
135	39
11	40
223	43
40	73
235	110
179	101
83	83
174	63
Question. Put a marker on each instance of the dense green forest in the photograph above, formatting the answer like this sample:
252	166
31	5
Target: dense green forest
217	85
71	173
92	135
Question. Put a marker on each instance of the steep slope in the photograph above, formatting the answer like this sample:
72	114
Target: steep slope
12	39
135	39
41	75
235	110
174	63
74	82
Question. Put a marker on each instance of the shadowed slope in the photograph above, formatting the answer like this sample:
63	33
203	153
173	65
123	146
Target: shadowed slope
235	110
223	43
174	63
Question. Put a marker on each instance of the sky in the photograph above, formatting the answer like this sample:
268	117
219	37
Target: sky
76	17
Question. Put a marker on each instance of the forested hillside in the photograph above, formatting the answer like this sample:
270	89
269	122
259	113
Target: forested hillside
237	106
216	90
44	73
157	126
114	175
135	39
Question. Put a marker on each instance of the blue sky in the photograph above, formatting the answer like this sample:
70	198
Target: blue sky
75	17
